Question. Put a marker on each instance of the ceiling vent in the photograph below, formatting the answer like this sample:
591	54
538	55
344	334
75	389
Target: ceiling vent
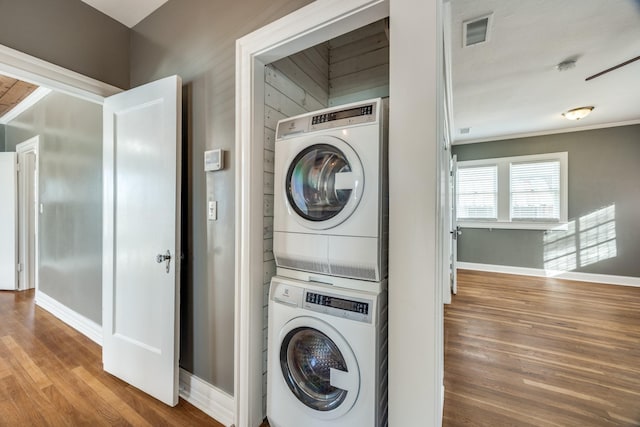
476	30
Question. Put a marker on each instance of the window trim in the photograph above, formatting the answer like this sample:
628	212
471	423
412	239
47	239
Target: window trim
504	220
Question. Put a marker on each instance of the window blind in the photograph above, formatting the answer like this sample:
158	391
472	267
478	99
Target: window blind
477	192
535	191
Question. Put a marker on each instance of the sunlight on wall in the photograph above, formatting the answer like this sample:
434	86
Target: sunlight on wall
598	236
560	249
587	240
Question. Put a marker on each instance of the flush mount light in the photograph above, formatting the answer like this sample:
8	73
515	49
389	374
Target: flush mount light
578	113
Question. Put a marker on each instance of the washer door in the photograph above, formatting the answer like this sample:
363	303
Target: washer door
319	367
324	183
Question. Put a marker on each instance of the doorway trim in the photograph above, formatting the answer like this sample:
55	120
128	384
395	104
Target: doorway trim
19	65
31	145
305	27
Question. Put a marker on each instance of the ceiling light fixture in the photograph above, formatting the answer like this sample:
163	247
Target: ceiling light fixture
578	113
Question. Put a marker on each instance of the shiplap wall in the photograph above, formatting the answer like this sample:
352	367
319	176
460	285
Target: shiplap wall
349	68
359	65
293	85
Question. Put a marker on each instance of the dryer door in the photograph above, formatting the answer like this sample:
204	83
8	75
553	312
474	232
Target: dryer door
319	367
324	182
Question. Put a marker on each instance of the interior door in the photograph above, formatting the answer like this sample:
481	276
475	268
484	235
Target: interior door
141	239
8	221
455	229
27	212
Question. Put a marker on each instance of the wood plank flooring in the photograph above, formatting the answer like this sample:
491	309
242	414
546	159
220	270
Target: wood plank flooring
526	351
51	375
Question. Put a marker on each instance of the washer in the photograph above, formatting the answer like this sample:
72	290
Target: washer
330	201
327	363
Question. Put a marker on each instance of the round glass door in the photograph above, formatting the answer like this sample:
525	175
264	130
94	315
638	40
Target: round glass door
306	358
320	182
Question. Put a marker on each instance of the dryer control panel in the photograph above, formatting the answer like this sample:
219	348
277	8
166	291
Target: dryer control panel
346	115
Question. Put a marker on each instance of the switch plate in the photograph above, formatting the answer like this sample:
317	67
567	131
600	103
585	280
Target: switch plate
213	210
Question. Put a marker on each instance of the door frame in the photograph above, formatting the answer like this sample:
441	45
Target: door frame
412	241
303	28
31	145
19	65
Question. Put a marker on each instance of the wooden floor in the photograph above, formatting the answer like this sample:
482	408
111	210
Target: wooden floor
524	351
51	375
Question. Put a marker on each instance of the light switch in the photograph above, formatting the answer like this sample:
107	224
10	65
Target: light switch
213	210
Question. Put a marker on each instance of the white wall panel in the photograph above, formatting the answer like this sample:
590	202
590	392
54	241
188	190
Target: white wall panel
359	65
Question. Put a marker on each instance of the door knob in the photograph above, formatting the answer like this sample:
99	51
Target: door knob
160	258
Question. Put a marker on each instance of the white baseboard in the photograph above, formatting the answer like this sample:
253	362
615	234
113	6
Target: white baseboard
539	272
210	400
85	326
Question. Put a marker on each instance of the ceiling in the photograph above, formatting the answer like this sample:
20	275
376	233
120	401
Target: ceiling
127	12
509	86
13	92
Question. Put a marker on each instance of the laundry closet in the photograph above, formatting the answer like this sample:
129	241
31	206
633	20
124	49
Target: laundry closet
351	70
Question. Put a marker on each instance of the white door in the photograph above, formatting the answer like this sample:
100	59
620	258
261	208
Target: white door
141	239
455	229
8	222
28	212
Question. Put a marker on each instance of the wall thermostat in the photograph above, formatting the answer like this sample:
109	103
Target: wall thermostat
213	160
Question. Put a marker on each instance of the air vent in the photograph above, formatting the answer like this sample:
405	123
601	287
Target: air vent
476	31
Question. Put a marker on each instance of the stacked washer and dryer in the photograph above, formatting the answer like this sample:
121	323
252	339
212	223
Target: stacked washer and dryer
327	337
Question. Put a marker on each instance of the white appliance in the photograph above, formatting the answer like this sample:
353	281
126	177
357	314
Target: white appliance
327	356
331	198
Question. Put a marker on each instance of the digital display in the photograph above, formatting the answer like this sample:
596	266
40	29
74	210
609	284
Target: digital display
339	303
342	114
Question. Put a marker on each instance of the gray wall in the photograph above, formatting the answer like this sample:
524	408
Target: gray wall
603	171
68	33
2	138
196	39
70	183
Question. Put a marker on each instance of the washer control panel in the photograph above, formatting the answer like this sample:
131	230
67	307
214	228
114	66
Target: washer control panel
335	305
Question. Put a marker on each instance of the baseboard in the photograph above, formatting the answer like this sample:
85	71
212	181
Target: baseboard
85	326
210	400
606	279
199	393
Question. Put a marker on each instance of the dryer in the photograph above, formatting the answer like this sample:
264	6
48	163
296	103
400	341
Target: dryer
327	356
330	196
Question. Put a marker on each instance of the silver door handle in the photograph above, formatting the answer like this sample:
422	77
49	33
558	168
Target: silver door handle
160	258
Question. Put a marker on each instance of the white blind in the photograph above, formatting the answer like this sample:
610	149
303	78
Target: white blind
535	191
477	196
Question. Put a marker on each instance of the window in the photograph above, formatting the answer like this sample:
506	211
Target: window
535	191
513	192
478	192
